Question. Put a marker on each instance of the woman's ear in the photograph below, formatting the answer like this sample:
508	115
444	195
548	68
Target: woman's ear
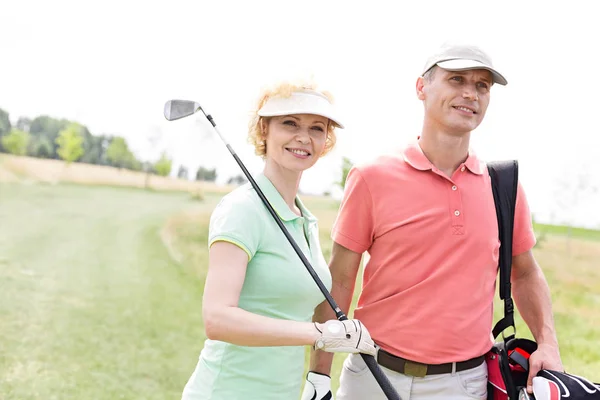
263	128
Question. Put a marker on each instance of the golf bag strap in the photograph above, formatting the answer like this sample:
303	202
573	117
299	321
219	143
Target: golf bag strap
504	177
519	359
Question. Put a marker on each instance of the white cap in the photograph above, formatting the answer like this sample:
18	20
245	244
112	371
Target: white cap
300	102
461	58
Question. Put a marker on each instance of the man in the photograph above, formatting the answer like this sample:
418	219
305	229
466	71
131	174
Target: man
427	218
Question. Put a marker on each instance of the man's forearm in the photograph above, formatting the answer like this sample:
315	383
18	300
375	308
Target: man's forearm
532	297
344	265
320	361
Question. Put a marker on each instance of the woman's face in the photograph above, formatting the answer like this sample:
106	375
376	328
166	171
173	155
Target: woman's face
295	142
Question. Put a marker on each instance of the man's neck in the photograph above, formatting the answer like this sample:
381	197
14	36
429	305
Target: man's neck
445	151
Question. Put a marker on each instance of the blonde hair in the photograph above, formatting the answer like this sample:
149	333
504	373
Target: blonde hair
256	136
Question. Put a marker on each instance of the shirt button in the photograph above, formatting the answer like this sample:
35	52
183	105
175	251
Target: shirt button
463	169
454	187
457	213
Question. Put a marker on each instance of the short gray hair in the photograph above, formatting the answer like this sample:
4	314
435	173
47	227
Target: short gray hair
428	75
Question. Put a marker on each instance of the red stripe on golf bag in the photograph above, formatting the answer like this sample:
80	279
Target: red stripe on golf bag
545	389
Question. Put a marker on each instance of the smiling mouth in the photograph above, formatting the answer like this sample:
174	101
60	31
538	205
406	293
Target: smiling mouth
465	109
299	152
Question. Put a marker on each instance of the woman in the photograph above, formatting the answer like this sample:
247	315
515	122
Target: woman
258	297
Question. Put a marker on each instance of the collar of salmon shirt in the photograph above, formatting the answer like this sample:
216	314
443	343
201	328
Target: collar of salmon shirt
279	205
414	156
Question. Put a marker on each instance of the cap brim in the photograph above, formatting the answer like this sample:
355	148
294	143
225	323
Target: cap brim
465	65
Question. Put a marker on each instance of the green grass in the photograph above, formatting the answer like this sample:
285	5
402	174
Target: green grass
559	230
93	305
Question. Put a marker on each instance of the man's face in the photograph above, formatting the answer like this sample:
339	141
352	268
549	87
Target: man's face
456	102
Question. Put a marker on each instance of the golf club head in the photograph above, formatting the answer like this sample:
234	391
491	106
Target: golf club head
176	109
523	395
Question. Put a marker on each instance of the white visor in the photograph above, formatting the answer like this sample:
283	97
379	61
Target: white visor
303	102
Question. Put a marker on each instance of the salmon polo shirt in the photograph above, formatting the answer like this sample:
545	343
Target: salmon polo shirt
428	287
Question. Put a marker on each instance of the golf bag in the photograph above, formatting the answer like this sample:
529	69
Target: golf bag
554	385
508	360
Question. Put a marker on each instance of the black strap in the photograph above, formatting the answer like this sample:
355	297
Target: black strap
505	178
520	360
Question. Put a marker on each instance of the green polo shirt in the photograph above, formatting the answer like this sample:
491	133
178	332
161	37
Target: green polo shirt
276	285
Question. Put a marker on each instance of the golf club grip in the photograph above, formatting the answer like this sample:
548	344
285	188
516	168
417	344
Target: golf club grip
380	377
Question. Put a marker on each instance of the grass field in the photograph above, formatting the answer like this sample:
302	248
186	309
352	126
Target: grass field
101	290
92	306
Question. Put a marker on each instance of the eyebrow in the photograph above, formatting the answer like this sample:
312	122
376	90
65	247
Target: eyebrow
486	79
463	73
316	121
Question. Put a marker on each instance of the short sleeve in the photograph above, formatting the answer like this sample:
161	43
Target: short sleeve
523	234
236	220
354	225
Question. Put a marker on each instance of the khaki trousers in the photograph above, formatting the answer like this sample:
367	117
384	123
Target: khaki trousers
357	383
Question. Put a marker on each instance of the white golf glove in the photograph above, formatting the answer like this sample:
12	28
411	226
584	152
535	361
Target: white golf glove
349	336
317	387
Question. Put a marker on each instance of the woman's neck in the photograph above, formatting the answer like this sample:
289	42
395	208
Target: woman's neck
286	182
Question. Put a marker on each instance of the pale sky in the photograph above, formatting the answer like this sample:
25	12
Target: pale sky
111	65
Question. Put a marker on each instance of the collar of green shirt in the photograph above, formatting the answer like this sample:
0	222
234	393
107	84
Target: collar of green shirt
279	205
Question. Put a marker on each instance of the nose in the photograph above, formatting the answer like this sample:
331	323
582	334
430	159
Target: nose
303	136
470	92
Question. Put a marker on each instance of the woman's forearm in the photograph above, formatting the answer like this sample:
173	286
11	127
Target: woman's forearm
243	328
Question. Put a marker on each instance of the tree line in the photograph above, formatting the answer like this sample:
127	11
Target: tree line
47	137
52	138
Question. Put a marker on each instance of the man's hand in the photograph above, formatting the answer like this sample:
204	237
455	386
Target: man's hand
317	387
349	336
545	357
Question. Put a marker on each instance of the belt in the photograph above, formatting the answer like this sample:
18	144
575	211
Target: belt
417	369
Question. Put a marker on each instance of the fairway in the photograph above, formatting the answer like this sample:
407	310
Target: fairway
91	304
101	291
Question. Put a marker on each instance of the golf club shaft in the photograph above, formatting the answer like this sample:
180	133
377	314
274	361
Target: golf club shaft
369	360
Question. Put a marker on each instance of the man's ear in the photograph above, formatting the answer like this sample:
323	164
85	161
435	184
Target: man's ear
420	87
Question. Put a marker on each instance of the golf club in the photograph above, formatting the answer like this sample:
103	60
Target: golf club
176	109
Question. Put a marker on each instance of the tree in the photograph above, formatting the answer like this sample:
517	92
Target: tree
118	153
70	143
48	127
153	139
24	124
135	165
237	180
346	167
95	150
163	165
204	174
40	147
5	127
182	172
16	142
